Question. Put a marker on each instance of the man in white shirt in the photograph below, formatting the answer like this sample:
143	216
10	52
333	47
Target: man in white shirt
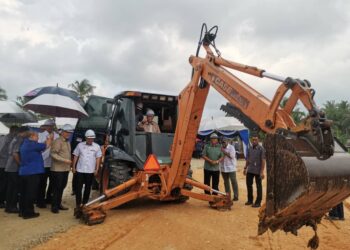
47	131
228	167
86	161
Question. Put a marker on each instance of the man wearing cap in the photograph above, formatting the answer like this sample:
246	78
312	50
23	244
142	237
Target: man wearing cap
149	125
212	155
228	168
86	162
61	165
48	130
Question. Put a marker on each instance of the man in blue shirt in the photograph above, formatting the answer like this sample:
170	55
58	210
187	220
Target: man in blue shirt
32	165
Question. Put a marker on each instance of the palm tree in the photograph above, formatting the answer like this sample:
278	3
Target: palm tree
3	95
83	88
339	113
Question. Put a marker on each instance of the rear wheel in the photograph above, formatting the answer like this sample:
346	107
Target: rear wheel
113	175
118	174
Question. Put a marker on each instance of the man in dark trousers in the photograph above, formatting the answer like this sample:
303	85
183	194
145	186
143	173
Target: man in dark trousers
32	165
254	169
212	155
61	165
48	130
86	162
11	169
3	160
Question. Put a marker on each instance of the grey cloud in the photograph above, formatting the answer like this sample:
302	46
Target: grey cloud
145	44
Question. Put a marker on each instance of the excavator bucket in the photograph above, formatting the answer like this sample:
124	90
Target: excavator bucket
301	188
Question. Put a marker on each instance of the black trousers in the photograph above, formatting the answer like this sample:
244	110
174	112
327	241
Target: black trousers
3	184
249	181
74	182
28	192
12	191
59	183
41	200
213	177
86	180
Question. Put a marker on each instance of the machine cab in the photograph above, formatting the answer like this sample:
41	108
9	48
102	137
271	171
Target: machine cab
125	130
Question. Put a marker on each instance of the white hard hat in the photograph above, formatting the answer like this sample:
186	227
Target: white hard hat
214	136
49	122
68	128
90	134
150	112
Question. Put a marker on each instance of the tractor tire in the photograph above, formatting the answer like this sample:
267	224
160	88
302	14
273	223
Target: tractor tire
118	174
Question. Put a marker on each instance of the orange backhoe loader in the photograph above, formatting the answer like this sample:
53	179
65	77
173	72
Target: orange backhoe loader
307	172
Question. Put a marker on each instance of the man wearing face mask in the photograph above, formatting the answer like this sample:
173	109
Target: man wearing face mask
254	168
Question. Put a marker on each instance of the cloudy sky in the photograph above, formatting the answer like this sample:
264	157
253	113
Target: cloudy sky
145	45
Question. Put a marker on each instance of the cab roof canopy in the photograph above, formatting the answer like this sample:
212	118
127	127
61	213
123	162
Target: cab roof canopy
147	96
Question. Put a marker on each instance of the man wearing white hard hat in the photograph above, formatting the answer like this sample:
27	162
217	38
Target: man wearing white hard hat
61	165
149	125
48	130
86	161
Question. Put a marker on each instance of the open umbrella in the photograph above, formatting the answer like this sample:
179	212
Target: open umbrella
55	101
52	90
11	112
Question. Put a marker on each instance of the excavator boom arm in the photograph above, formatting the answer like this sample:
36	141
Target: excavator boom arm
267	115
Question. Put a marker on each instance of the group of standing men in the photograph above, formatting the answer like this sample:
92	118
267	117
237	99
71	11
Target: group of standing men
29	159
221	157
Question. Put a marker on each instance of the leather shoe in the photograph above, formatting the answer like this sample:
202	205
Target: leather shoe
235	199
55	210
248	203
256	205
30	216
63	208
12	210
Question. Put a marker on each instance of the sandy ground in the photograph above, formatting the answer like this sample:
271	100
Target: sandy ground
145	224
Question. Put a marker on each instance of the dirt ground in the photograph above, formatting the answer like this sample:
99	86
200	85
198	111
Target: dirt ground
145	224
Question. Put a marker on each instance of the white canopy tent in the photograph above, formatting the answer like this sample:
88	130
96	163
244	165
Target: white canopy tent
221	123
225	126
